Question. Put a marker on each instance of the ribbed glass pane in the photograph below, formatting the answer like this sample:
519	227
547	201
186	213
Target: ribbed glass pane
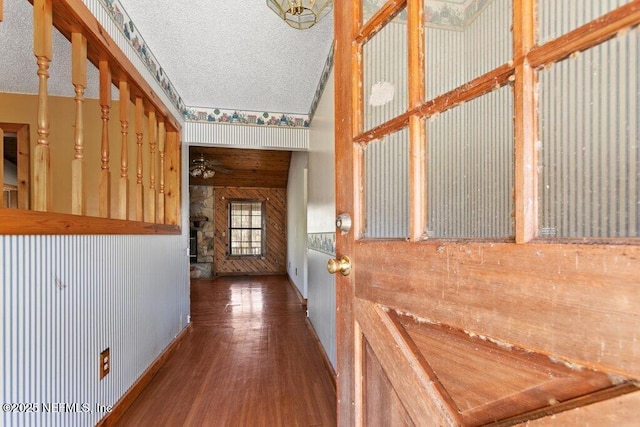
385	74
470	169
557	17
386	186
464	41
590	160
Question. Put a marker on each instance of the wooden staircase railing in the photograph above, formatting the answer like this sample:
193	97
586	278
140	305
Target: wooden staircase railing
160	203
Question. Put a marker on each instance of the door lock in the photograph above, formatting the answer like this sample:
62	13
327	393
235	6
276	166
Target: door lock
343	222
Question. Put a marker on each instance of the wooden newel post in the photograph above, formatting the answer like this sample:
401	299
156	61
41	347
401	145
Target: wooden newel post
43	50
79	81
150	208
139	183
104	186
123	194
161	150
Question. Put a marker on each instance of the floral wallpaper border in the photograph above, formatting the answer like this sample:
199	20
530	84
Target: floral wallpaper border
256	118
127	27
322	242
324	77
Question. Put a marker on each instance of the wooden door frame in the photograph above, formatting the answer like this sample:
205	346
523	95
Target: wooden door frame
24	165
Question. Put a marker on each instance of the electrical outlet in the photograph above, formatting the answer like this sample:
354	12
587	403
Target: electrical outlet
105	363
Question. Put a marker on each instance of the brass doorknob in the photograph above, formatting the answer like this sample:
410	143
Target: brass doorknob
343	265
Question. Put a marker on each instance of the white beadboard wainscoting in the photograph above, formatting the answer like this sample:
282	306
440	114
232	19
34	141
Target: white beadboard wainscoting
67	298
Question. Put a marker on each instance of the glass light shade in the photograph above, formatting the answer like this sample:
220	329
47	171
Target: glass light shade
300	14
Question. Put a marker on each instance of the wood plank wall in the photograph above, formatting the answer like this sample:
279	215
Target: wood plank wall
274	260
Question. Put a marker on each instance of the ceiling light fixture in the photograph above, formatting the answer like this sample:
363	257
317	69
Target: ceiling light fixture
201	168
300	14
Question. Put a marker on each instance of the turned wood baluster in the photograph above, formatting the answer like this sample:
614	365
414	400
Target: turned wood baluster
139	183
79	81
161	148
43	50
104	186
123	194
150	208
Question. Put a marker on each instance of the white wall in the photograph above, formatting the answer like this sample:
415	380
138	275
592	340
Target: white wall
297	221
64	299
321	219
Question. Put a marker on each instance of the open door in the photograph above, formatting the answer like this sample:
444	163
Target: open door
488	187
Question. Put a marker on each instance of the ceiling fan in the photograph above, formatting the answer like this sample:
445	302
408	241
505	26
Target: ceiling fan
202	168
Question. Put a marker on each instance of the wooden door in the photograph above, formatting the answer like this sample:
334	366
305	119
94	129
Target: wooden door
494	244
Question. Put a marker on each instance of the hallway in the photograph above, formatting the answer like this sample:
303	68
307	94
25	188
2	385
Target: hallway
247	360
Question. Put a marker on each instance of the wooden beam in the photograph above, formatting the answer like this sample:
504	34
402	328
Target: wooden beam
79	81
43	50
104	186
25	222
139	175
1	11
123	187
173	180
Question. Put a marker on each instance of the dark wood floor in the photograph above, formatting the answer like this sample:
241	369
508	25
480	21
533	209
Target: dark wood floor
248	360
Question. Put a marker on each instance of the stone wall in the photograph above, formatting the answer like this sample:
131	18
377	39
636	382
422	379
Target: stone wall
201	213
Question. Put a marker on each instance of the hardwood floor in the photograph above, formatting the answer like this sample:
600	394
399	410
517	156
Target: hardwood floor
248	360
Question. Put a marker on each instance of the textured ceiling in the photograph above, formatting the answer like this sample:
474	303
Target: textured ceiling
218	54
234	54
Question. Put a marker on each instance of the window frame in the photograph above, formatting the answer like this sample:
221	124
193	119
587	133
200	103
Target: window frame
262	228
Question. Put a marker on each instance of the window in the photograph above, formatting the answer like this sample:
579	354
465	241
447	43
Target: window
246	228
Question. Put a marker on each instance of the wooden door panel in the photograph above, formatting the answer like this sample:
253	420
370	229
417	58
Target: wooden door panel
576	302
490	381
403	365
382	406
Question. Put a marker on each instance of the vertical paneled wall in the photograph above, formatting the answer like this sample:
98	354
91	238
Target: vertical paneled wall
275	234
67	298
